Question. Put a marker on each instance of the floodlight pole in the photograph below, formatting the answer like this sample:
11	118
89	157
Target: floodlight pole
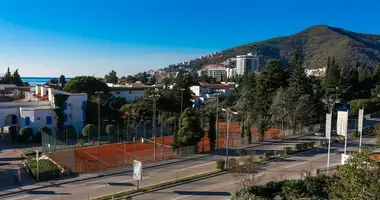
98	93
229	114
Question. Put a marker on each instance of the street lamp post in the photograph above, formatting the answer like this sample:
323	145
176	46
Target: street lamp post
229	114
99	93
155	96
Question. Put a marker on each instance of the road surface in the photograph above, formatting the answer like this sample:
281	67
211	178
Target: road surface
121	182
221	187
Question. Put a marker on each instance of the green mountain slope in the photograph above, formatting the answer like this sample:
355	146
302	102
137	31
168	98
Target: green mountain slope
316	44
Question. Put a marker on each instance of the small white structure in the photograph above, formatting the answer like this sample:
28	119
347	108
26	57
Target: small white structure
206	90
37	110
344	159
130	91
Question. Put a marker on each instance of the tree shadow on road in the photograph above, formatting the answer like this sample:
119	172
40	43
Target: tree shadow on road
203	193
47	193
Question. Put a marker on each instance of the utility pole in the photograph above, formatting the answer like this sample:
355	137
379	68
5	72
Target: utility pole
229	114
98	93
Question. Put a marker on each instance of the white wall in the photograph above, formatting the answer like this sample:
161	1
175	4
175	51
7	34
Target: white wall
4	112
37	118
196	90
74	110
130	96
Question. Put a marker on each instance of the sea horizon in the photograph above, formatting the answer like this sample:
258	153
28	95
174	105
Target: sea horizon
39	80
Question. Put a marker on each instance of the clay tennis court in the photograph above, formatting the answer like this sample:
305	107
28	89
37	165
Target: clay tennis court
96	158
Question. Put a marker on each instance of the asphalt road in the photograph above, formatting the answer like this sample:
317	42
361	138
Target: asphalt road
221	187
116	183
213	188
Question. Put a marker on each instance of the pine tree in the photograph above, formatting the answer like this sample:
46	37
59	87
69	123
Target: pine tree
7	79
212	130
16	78
299	83
270	79
62	80
332	79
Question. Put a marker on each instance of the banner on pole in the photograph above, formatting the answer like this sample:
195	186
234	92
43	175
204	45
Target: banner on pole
328	125
360	120
137	170
342	123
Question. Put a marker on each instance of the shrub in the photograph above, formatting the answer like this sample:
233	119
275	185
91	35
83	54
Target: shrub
45	129
46	168
232	163
220	164
25	134
37	138
288	150
299	147
268	154
89	130
110	129
71	132
310	145
376	129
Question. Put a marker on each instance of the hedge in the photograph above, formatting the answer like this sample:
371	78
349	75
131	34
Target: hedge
47	169
25	134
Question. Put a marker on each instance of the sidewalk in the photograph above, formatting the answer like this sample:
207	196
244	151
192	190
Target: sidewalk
159	164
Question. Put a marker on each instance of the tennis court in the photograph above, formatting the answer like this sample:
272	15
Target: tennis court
97	158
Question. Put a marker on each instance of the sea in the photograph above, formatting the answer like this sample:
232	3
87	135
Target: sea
39	80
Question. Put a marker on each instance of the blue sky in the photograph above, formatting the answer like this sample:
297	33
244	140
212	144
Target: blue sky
49	38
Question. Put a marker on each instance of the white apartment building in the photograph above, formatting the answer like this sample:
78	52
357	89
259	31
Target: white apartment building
219	72
130	91
37	110
231	72
247	63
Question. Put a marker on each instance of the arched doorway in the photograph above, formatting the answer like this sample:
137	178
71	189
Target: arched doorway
11	127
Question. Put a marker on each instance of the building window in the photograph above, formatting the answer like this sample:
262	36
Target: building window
48	120
65	105
65	117
27	121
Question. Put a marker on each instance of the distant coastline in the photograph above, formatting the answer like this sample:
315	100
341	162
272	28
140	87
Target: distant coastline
39	80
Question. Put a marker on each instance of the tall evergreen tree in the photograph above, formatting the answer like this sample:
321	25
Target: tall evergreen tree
299	83
62	80
111	77
270	79
211	130
332	79
7	79
16	78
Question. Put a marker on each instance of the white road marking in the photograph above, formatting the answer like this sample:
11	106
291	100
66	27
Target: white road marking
19	197
210	163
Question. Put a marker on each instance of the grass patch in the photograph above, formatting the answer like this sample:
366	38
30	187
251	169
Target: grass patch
46	168
152	187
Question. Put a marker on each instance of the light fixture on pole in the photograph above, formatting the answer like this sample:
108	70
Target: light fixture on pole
154	96
99	93
229	114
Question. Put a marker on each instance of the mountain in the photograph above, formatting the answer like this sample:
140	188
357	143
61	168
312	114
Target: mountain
316	44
